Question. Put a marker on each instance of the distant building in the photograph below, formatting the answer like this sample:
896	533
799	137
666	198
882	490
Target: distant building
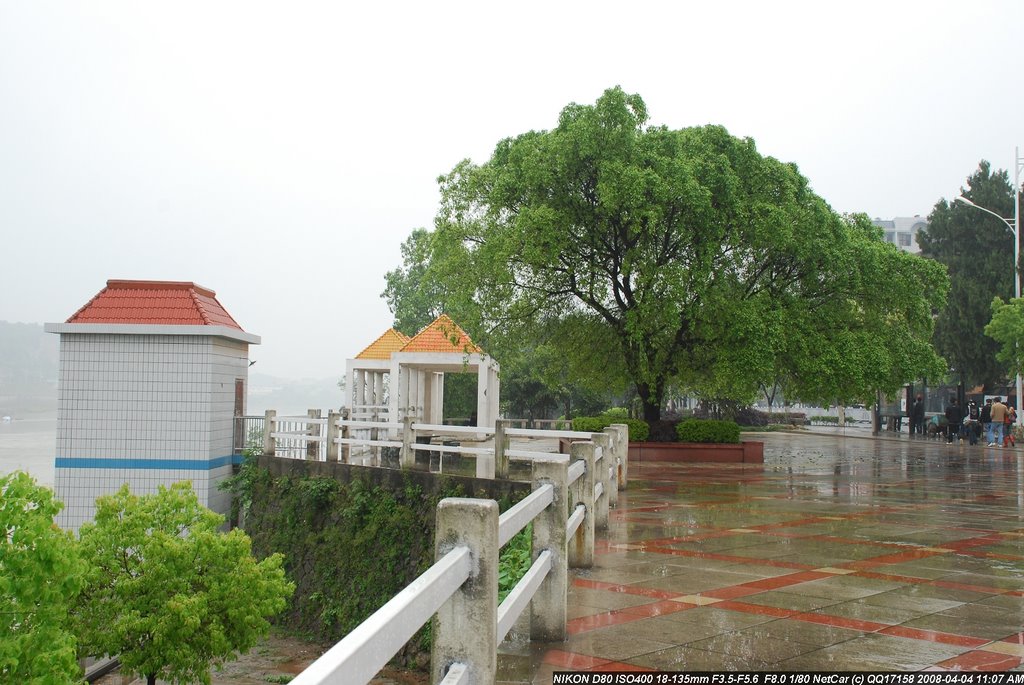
902	231
152	374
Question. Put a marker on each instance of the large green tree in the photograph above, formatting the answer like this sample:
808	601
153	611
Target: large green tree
977	249
40	574
167	591
704	262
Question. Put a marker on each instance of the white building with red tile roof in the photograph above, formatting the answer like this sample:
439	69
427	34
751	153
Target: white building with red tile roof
397	376
152	374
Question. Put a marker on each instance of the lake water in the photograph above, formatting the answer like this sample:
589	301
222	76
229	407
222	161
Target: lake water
29	445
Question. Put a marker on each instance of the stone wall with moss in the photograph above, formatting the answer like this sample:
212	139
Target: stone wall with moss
352	536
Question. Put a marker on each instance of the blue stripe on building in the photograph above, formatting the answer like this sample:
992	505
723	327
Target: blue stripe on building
147	464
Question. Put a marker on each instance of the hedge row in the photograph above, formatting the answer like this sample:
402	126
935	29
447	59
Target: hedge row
638	430
687	430
708	431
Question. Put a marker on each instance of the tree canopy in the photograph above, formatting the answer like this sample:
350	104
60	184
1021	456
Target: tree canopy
40	574
977	249
1007	329
413	299
167	591
693	258
561	367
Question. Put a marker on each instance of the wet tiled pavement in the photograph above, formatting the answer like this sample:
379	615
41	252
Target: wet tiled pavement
836	554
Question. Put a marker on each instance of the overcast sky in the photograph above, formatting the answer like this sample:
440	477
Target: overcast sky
279	153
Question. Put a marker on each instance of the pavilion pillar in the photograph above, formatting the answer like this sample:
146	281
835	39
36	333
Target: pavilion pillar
394	393
493	393
438	400
378	389
483	409
350	383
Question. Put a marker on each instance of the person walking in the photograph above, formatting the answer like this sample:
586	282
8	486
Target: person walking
954	419
995	438
986	420
917	416
1011	418
972	422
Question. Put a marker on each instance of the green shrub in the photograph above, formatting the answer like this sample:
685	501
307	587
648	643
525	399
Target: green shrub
514	561
589	424
708	431
617	413
638	429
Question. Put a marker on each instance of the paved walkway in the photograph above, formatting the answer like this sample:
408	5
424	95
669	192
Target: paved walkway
836	554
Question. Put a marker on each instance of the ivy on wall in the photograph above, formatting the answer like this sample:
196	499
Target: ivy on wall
353	539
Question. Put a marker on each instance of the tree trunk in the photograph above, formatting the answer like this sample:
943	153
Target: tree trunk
651	399
151	679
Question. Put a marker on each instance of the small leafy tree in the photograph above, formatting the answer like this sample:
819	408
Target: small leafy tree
1007	329
167	591
40	574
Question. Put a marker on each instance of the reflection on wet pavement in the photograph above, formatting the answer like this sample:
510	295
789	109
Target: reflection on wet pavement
836	554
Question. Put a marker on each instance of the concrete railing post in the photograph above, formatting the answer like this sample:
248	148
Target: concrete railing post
407	457
500	448
581	547
374	449
613	461
548	609
313	430
623	430
601	476
465	628
346	433
269	442
332	435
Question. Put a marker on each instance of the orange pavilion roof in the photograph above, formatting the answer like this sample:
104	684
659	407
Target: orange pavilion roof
442	335
175	303
381	348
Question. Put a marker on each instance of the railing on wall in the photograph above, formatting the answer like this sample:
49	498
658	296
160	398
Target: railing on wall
363	442
248	432
569	500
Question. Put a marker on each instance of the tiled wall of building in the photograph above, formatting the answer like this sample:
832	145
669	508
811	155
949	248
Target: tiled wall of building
144	410
228	363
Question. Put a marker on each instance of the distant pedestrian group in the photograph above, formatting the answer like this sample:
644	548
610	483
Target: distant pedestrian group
992	421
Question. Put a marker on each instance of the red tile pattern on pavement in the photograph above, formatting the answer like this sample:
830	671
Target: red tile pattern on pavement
836	554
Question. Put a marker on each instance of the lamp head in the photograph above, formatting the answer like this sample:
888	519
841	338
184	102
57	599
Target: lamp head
961	198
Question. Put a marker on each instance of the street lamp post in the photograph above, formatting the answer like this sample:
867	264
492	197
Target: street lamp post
1013	224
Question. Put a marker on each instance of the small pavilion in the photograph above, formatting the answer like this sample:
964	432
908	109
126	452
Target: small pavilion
397	376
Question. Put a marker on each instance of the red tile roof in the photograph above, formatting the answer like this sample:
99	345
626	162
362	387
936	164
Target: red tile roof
381	348
442	335
174	303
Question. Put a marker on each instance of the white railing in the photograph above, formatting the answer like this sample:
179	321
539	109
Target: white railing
461	588
361	442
